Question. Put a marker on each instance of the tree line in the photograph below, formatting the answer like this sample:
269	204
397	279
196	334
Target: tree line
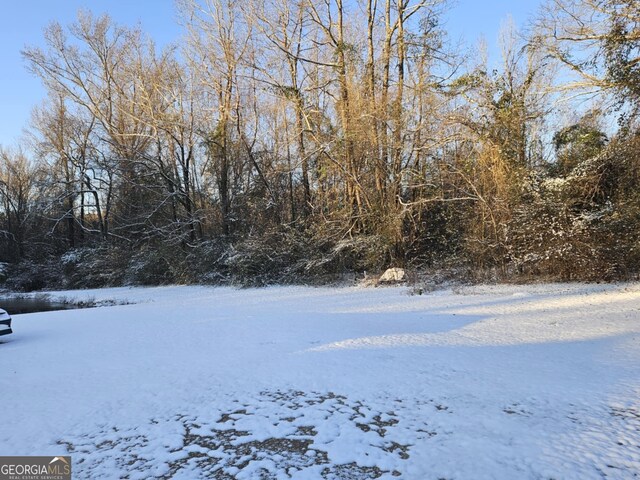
296	140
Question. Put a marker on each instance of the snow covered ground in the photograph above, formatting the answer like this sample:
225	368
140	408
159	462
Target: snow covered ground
519	382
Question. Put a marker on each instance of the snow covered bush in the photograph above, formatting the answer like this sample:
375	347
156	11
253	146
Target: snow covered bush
545	239
290	256
94	267
582	226
152	266
28	276
206	263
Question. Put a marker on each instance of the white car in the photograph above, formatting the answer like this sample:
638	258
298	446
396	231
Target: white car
5	323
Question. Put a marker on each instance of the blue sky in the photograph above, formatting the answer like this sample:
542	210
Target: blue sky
22	22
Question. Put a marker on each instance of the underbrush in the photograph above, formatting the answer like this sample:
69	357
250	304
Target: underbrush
293	257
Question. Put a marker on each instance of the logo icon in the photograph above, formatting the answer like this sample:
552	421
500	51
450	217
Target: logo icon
35	468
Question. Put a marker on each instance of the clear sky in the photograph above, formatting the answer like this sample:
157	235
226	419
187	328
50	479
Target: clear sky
22	22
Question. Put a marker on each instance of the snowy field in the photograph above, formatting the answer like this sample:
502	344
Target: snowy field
526	382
